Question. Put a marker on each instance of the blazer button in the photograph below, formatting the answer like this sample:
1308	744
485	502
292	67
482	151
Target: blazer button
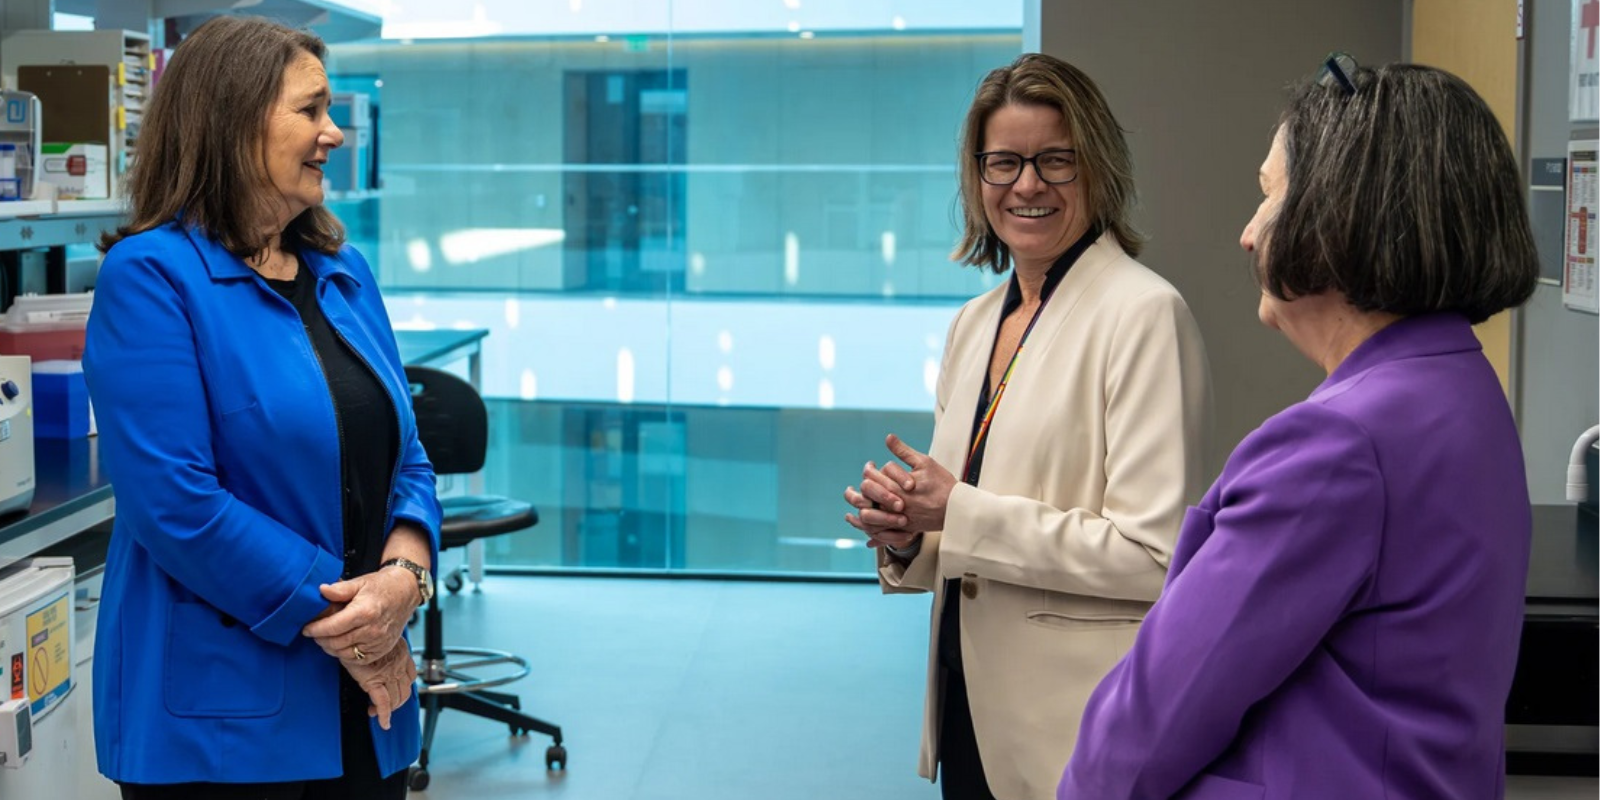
969	588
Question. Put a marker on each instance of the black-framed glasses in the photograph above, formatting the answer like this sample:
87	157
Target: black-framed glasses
1003	168
1338	69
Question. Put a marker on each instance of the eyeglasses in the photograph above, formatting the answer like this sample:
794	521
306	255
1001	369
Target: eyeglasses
1338	69
1002	168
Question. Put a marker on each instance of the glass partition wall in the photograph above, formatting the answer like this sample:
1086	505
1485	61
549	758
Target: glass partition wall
711	249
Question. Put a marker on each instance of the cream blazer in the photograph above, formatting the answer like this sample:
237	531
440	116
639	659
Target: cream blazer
1093	455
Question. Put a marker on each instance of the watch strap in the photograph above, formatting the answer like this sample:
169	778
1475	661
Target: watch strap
423	576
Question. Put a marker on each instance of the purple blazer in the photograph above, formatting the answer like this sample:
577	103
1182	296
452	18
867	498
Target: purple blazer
1343	609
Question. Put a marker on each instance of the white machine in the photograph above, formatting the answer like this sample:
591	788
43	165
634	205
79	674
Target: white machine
38	752
20	126
16	433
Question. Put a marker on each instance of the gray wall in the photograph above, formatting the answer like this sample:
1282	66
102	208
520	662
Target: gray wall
1558	351
1200	86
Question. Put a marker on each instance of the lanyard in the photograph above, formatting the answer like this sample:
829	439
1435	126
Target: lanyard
999	391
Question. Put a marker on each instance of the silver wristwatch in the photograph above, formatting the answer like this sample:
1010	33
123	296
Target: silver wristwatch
424	577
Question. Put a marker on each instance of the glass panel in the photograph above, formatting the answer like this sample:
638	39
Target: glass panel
712	255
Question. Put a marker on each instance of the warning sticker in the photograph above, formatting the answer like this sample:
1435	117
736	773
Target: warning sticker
49	671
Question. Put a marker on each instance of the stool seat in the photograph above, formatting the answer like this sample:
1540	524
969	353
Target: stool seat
472	517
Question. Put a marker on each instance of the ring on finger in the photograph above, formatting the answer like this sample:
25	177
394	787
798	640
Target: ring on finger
355	650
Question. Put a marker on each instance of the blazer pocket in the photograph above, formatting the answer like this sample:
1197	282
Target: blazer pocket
215	667
247	405
1216	787
1196	522
1064	621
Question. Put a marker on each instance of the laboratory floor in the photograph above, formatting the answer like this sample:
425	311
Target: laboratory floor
670	689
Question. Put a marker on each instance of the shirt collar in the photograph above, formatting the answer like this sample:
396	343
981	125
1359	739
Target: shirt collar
1052	279
223	265
1416	336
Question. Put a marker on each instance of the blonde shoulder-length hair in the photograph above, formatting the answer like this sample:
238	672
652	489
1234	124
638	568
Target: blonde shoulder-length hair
1105	167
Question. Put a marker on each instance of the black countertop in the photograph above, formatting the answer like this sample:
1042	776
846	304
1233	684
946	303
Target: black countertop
67	481
1564	566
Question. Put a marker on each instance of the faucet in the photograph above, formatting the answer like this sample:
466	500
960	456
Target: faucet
1577	476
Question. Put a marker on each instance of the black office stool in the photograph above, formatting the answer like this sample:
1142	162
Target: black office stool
454	428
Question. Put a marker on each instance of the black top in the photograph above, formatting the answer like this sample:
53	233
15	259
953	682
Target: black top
950	620
369	431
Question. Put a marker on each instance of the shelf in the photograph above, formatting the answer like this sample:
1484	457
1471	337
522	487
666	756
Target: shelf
27	208
53	223
71	494
73	208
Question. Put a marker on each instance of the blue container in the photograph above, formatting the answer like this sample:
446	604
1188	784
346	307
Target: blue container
60	405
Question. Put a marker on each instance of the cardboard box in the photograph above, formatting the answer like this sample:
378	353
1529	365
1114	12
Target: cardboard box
78	170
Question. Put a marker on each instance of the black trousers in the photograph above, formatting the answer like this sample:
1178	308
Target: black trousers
360	781
960	767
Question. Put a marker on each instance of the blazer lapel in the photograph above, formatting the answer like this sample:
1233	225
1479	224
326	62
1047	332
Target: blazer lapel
970	346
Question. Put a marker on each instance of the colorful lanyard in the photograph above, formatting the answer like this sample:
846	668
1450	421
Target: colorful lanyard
1005	379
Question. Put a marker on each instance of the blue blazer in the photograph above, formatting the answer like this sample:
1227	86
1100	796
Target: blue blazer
219	435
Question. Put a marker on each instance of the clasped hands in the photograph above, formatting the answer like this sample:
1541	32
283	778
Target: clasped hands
893	506
362	628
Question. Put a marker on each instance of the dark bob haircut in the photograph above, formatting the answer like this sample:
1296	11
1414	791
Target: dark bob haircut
202	151
1403	195
1105	166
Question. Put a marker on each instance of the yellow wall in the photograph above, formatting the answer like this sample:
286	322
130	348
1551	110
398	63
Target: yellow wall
1477	40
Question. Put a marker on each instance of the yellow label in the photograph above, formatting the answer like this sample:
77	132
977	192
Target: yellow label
122	118
49	654
122	74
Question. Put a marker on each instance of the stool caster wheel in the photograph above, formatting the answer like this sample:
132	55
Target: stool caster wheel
556	754
417	779
453	581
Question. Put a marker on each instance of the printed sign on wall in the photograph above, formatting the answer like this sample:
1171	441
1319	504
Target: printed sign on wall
1578	281
1584	83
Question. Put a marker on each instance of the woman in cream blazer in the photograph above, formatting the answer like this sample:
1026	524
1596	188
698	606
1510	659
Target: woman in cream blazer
1052	555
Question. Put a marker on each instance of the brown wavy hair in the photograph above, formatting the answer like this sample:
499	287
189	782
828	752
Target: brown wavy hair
202	152
1105	165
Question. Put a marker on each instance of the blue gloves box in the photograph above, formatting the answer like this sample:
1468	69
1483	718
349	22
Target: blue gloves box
60	401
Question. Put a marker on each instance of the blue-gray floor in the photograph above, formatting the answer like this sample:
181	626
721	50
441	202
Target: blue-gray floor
688	689
673	689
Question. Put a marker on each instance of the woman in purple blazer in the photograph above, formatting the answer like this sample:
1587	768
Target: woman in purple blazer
1342	613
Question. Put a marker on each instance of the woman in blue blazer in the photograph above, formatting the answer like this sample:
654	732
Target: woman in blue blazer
276	515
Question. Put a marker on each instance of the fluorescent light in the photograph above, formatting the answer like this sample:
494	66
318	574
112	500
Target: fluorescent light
791	258
471	245
825	351
624	375
420	256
